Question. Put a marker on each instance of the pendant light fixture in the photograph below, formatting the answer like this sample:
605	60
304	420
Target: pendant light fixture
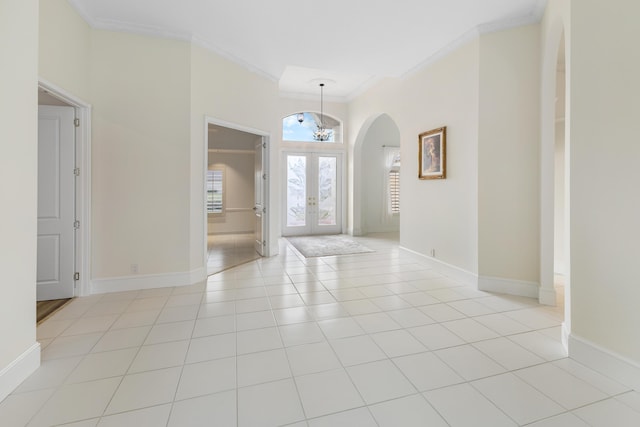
321	133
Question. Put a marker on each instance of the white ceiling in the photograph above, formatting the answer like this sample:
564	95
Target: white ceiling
348	43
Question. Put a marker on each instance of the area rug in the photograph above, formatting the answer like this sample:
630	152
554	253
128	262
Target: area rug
317	246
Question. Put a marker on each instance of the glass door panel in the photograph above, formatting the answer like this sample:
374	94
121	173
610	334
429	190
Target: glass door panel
313	194
327	191
296	191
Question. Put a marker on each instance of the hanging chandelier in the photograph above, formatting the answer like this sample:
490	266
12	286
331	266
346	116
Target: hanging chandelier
321	133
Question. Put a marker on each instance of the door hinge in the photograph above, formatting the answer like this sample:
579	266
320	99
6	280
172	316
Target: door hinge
76	122
264	176
76	224
76	171
264	243
264	210
76	276
264	145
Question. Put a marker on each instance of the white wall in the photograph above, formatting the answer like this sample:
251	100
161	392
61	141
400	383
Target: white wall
440	215
227	92
383	132
508	167
140	91
604	196
239	193
65	48
559	201
19	352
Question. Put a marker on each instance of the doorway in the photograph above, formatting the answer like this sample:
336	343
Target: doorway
56	202
236	195
313	193
64	194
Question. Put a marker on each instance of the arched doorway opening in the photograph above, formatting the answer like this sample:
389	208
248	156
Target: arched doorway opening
376	186
555	259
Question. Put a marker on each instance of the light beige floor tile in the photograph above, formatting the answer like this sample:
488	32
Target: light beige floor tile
201	411
147	417
97	366
262	367
462	405
517	399
76	402
327	392
312	358
122	338
410	411
159	356
145	389
380	381
199	379
427	372
301	333
357	350
360	417
51	374
167	332
18	409
211	347
269	404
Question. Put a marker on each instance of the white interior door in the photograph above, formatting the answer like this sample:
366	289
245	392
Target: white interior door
56	203
313	194
259	191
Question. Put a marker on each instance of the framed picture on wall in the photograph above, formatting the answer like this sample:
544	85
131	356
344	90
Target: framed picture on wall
432	154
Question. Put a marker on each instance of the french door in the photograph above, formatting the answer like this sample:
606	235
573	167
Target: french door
313	193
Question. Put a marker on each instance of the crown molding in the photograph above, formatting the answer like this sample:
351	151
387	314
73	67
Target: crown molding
534	17
153	31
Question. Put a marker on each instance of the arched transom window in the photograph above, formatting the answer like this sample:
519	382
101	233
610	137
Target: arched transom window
311	127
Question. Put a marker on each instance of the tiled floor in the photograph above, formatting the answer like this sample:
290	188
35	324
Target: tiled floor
229	250
364	340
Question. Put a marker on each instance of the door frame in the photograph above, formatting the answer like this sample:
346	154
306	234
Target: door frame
343	181
266	195
82	241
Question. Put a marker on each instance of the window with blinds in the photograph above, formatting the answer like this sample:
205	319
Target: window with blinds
394	191
215	199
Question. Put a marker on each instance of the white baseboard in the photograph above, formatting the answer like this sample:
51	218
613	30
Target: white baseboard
519	288
19	370
483	283
455	273
147	281
615	366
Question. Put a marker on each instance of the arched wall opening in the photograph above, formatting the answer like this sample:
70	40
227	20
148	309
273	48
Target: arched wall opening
555	257
378	137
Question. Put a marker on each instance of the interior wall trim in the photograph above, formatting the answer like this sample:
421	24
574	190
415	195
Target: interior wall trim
148	281
607	362
19	370
514	287
455	273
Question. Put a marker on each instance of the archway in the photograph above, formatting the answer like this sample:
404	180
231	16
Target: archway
377	138
555	259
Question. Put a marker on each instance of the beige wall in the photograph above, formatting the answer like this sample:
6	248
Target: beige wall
508	167
227	92
65	47
140	89
604	153
440	215
18	187
372	196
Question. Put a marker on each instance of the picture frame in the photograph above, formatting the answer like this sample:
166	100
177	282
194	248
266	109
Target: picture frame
432	155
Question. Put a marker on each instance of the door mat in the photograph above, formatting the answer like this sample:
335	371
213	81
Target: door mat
317	246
